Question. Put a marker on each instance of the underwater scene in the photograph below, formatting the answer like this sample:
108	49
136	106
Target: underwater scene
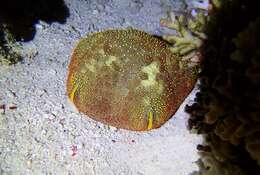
129	87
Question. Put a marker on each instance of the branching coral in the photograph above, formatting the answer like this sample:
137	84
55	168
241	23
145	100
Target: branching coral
128	79
190	36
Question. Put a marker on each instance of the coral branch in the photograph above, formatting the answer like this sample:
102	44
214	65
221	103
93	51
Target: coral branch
190	36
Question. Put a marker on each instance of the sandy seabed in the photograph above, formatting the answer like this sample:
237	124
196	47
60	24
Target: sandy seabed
45	134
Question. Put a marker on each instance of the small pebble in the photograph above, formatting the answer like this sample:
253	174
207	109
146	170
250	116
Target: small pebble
95	12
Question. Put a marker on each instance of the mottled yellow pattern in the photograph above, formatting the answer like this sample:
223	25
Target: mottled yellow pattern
150	120
72	95
127	78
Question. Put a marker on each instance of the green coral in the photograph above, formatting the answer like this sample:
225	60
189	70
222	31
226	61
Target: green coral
226	110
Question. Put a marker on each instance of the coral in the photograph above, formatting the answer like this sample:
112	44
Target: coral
218	158
226	110
190	36
128	79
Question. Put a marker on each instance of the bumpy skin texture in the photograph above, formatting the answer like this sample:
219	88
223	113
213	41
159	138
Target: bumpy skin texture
127	79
